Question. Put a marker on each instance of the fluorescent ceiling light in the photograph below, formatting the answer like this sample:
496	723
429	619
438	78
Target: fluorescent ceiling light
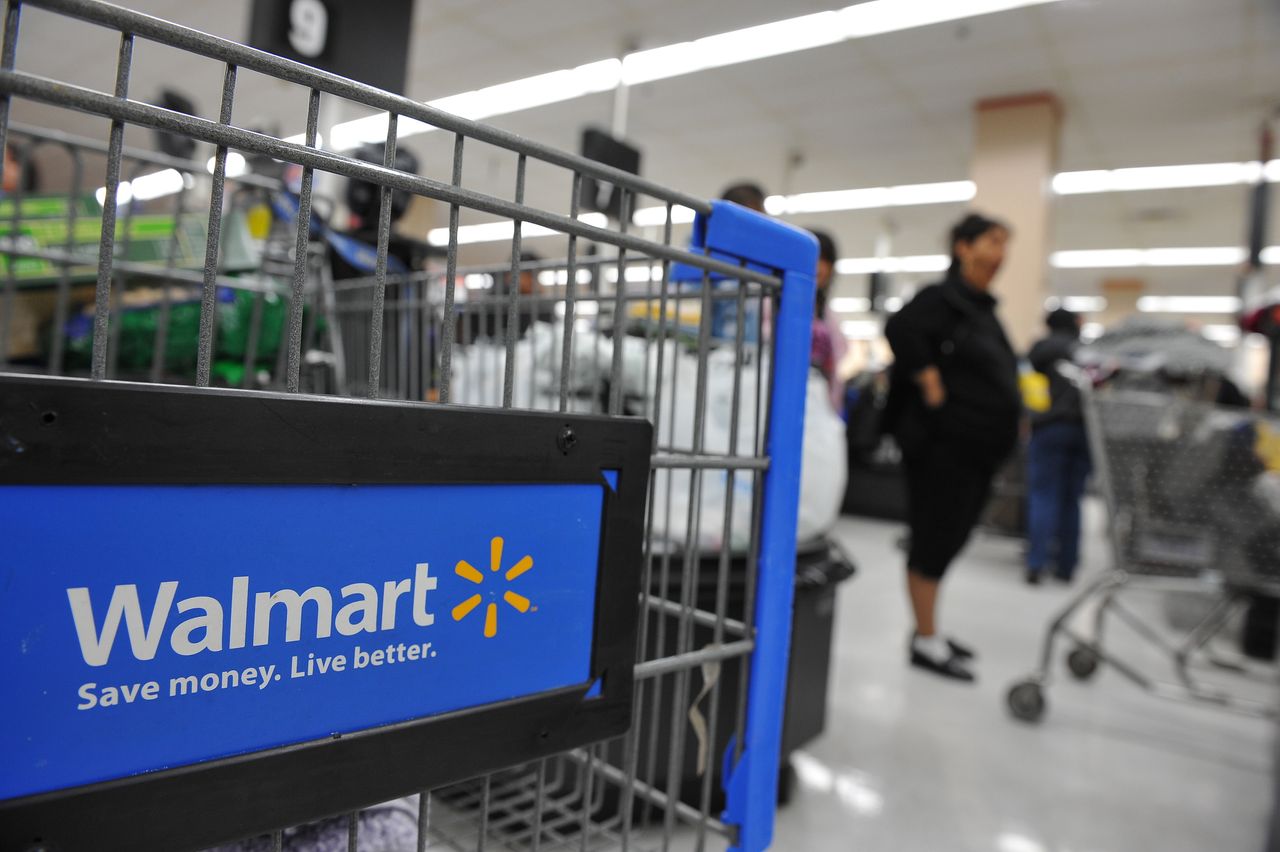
235	167
1095	258
1188	304
860	329
501	99
1077	304
661	63
580	309
850	305
1064	183
148	186
490	232
560	277
652	216
733	48
871	197
893	304
1164	177
301	139
636	274
809	202
886	16
909	263
1116	258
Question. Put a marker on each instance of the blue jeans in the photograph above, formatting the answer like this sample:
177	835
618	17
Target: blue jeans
1057	467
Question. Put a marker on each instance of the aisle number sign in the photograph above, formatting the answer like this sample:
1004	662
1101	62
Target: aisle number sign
150	627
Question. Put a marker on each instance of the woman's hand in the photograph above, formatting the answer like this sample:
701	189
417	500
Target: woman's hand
931	387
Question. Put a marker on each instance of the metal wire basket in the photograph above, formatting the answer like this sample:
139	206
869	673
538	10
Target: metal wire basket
247	283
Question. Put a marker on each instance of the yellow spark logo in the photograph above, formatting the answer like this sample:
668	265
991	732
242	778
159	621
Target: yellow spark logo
468	572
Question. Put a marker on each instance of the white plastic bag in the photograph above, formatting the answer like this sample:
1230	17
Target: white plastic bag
478	375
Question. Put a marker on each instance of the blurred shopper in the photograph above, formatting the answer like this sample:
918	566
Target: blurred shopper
1057	457
749	195
954	408
829	346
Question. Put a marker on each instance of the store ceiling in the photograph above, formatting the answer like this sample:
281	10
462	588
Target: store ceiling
1142	82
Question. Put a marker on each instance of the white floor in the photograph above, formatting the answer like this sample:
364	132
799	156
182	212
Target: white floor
912	762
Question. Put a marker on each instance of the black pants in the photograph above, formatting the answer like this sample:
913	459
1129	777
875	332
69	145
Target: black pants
947	489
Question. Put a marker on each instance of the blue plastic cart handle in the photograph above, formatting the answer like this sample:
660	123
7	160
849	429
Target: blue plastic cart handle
736	233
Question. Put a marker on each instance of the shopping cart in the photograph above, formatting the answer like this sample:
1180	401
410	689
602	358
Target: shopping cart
1186	484
202	357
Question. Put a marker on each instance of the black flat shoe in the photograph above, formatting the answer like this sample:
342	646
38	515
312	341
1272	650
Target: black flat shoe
1033	578
963	652
952	667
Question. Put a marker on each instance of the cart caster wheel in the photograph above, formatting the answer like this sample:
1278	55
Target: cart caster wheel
786	783
1083	663
1026	701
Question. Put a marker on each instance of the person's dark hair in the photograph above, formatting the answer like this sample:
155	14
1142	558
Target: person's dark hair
827	252
745	193
1061	319
967	230
29	178
826	245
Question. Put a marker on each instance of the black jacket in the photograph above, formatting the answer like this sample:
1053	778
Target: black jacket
1064	396
954	327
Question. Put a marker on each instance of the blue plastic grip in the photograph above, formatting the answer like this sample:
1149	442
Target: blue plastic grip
733	232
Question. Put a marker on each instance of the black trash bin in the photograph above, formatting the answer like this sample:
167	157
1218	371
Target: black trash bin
820	567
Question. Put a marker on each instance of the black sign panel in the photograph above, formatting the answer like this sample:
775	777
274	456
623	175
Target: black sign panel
598	195
252	610
368	42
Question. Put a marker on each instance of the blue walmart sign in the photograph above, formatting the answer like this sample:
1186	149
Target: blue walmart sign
149	627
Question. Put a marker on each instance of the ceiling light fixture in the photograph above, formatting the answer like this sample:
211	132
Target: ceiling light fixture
1123	258
492	232
1164	177
235	167
871	198
850	305
661	63
648	217
860	329
909	263
148	186
1077	304
1188	304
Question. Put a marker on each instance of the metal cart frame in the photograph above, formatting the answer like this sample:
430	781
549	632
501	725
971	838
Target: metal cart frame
1228	588
602	795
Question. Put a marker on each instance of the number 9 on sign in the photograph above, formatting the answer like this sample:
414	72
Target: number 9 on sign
308	27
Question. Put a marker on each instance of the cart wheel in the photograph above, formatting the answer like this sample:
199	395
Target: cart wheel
1083	662
786	782
1026	701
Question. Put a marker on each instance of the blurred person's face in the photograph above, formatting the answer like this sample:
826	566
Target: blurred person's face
11	169
980	260
527	283
826	271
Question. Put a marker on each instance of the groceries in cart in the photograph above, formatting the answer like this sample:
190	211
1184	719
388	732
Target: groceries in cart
733	424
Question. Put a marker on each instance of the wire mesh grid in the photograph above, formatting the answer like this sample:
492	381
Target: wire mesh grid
1190	485
200	286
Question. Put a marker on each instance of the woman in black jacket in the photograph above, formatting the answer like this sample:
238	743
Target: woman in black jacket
954	408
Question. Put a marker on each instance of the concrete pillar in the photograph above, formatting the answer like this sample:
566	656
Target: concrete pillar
1015	155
